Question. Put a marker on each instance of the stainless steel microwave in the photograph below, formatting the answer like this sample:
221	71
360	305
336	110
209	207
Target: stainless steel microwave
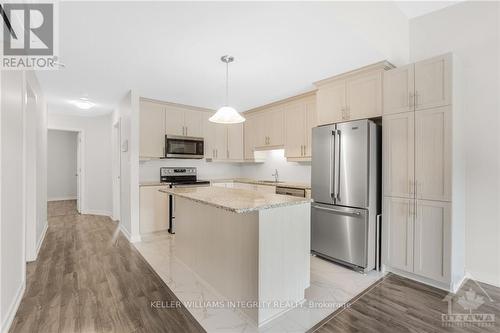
183	147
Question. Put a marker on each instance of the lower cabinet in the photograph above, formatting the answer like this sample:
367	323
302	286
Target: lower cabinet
154	209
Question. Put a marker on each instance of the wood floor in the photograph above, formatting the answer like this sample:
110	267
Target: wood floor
88	278
400	305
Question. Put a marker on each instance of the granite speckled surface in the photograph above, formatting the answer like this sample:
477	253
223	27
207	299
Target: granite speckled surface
303	186
235	200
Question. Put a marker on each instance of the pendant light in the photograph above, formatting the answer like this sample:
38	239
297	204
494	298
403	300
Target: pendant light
227	114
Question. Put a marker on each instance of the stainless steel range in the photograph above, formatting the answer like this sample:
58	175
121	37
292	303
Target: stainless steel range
179	177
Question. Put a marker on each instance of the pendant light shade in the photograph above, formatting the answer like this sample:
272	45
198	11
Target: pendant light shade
227	114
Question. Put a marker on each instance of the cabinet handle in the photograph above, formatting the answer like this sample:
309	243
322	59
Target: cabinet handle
227	153
410	99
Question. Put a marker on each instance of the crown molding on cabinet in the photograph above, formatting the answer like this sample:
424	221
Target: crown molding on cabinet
382	65
177	105
280	102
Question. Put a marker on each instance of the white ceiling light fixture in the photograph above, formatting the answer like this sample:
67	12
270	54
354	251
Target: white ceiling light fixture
83	103
227	114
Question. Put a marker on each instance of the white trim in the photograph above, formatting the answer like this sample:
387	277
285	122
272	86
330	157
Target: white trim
436	284
97	212
62	198
11	313
130	238
42	238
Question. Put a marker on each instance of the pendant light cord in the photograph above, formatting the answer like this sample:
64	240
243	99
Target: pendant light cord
227	83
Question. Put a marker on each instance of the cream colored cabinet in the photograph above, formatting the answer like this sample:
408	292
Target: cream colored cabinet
174	120
398	233
433	82
220	142
399	87
432	240
398	155
423	85
269	123
433	154
193	123
364	96
251	134
235	142
151	130
300	118
153	209
331	102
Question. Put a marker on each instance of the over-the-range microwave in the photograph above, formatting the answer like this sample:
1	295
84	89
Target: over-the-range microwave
183	147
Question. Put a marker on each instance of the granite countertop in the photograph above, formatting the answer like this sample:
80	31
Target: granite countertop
303	186
235	200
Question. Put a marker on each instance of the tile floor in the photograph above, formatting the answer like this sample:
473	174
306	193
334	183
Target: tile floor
331	286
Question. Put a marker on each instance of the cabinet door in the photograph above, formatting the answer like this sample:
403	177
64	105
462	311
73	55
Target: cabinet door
250	136
364	96
209	137
398	155
274	127
295	126
398	233
235	141
193	123
432	240
433	154
152	130
399	90
261	129
433	82
331	102
174	120
153	207
311	121
220	143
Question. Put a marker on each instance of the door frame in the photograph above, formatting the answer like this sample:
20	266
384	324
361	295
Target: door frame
80	193
116	169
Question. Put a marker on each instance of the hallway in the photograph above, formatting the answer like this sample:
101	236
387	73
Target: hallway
89	278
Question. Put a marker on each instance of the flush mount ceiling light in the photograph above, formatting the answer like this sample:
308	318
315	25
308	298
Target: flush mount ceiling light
227	114
83	103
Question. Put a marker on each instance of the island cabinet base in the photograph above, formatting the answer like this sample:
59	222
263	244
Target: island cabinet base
260	258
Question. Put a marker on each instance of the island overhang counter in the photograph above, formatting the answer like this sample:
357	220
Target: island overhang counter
253	248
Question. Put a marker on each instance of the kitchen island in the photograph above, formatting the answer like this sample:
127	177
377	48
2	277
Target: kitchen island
253	248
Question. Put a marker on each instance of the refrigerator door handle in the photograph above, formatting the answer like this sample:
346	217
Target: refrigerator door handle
333	141
337	166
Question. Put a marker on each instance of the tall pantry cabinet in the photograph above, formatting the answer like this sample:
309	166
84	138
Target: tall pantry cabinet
423	172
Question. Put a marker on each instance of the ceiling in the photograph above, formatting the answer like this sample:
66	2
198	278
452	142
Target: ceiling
171	51
414	9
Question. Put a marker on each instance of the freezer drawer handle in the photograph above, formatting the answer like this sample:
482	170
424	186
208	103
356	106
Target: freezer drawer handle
336	210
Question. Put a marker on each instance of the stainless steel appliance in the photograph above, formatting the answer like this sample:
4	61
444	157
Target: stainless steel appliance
179	177
296	192
183	147
345	188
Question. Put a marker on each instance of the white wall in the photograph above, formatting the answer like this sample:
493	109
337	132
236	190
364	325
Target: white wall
97	197
62	148
471	31
275	159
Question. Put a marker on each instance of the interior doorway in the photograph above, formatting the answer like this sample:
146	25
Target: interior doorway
64	171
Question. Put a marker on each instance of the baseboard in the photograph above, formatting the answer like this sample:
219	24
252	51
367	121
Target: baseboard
97	212
61	198
436	284
128	236
11	313
42	238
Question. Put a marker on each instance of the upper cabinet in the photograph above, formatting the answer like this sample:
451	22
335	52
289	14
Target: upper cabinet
419	86
174	120
269	129
300	118
151	130
223	142
183	121
350	96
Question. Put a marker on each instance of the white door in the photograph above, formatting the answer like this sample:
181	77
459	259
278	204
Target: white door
193	123
364	96
398	233
235	141
295	126
399	89
398	155
433	82
432	240
433	154
174	120
79	185
331	102
151	130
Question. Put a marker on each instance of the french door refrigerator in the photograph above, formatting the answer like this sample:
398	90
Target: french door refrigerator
345	181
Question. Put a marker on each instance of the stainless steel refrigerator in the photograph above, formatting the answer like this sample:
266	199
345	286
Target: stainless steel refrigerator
345	183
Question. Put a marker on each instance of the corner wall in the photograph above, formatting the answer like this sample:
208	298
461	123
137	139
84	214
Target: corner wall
471	31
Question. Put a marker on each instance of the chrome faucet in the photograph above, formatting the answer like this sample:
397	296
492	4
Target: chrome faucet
275	175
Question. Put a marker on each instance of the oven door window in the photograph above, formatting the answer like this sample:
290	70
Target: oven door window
184	147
